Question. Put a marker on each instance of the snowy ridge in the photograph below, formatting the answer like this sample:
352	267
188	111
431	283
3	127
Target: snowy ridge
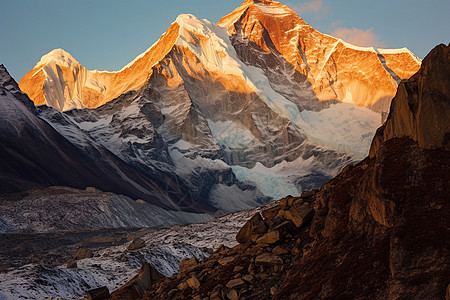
271	9
217	54
399	51
358	48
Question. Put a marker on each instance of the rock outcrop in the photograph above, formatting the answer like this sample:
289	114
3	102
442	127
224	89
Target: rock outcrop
378	230
136	287
420	109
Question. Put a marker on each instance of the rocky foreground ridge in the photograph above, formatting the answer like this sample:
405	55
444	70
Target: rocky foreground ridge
379	230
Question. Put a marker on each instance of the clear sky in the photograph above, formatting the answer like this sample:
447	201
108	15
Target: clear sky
108	34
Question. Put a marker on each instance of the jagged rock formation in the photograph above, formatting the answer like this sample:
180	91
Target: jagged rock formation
421	106
379	230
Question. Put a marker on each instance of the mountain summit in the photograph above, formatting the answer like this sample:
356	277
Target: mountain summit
325	68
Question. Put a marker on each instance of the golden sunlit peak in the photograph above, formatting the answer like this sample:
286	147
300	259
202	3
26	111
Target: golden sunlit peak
58	55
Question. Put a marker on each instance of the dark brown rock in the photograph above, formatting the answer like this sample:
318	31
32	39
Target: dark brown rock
83	253
268	259
137	243
271	237
210	263
225	260
308	194
235	283
135	288
101	293
193	282
279	251
246	233
188	265
299	214
270	213
232	295
249	278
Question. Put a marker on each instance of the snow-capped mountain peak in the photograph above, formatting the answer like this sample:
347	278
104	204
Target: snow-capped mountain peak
60	57
223	105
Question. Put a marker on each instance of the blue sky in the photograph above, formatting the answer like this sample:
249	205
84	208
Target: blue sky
108	34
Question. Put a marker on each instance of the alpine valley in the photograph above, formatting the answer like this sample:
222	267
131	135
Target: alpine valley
165	161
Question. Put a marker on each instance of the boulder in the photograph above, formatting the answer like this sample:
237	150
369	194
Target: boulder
271	212
249	278
285	203
215	296
299	214
252	226
238	269
193	283
268	259
135	288
136	244
101	293
210	263
269	238
232	295
235	283
188	265
225	260
182	286
83	253
309	194
279	251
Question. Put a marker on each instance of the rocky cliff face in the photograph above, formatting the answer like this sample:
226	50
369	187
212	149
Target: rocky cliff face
420	107
379	230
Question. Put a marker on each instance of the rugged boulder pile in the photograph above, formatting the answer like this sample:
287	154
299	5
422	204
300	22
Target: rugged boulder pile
379	230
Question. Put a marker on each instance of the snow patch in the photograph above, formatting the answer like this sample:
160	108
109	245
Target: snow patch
272	10
186	166
232	198
269	182
231	135
342	127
